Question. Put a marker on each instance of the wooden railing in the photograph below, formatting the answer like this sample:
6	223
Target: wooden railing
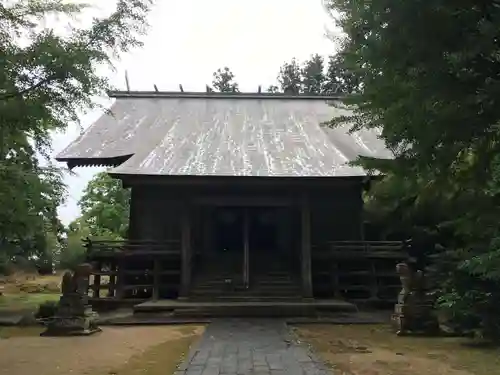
107	248
361	249
359	270
123	267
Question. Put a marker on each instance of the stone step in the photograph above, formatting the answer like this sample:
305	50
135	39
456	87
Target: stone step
255	288
241	306
300	311
249	298
277	286
254	292
221	279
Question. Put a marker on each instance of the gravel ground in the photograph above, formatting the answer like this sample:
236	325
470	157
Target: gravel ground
94	355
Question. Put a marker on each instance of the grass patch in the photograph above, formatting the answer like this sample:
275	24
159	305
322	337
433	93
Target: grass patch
375	350
160	359
25	301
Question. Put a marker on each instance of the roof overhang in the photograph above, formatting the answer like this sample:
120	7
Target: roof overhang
94	162
286	181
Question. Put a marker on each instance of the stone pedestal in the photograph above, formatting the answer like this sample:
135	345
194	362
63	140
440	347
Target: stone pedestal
415	317
74	317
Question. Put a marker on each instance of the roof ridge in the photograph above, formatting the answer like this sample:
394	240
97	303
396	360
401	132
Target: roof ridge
220	95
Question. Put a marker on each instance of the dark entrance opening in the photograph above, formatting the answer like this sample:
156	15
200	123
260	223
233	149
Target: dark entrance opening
228	230
270	246
224	252
246	249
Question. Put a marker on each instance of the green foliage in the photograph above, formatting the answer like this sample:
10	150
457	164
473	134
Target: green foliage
105	208
46	79
223	81
290	78
426	74
312	77
73	252
340	79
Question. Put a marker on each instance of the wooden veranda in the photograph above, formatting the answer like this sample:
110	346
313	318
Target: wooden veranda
138	271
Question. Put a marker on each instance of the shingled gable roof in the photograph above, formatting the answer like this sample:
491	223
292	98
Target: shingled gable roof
214	134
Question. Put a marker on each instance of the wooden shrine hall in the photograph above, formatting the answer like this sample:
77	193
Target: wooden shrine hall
236	197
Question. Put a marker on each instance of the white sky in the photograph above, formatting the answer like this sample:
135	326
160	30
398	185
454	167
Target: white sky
189	39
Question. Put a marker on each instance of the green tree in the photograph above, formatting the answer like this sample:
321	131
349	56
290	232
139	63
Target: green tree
290	78
436	101
223	81
273	89
105	207
339	77
313	77
45	80
73	251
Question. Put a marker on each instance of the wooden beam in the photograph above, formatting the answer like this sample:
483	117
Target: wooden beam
306	247
232	201
240	181
186	249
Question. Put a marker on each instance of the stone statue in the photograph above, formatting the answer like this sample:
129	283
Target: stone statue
67	283
74	315
403	270
78	281
414	310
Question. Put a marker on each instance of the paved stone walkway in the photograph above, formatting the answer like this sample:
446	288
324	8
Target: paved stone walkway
253	347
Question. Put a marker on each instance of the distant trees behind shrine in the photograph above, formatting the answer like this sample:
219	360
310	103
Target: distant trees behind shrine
313	76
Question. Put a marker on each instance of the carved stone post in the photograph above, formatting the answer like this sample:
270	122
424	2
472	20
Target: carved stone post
414	311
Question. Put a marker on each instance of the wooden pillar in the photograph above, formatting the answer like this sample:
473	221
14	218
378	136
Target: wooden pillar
306	247
120	278
133	230
156	278
185	250
112	280
246	249
97	281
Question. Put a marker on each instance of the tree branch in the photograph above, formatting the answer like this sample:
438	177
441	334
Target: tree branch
45	81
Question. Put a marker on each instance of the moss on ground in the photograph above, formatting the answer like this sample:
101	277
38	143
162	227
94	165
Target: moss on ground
160	359
375	350
25	301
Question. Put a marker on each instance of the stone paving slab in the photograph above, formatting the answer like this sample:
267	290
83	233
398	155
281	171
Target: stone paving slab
250	347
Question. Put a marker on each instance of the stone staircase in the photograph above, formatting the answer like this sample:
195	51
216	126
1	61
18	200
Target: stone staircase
275	285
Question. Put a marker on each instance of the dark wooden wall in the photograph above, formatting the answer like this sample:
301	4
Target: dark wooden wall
154	215
336	214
